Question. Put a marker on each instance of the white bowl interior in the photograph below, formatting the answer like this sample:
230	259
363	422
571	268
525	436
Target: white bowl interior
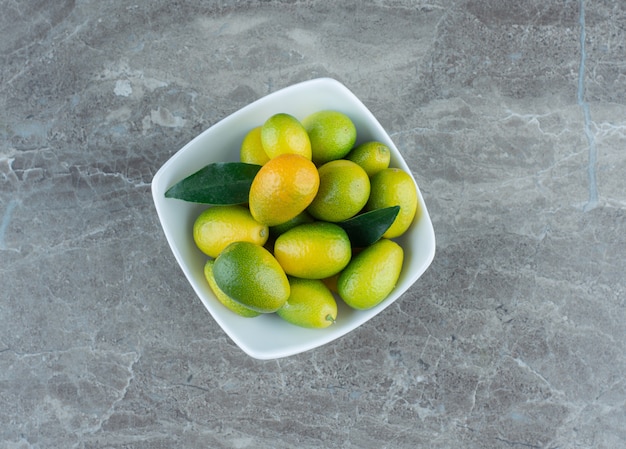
268	336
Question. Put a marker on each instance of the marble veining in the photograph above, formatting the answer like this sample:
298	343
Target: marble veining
512	117
593	152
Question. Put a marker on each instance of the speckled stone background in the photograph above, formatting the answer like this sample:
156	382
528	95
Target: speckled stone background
512	117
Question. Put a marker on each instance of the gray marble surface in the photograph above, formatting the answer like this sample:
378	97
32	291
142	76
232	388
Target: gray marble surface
512	117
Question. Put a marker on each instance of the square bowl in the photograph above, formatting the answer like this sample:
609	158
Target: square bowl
268	336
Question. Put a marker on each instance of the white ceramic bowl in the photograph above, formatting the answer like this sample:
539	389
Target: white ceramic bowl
268	336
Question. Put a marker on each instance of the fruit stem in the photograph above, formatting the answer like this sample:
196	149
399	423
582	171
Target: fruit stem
330	318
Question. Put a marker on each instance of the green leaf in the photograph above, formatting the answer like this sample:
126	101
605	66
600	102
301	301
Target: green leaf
369	227
217	183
